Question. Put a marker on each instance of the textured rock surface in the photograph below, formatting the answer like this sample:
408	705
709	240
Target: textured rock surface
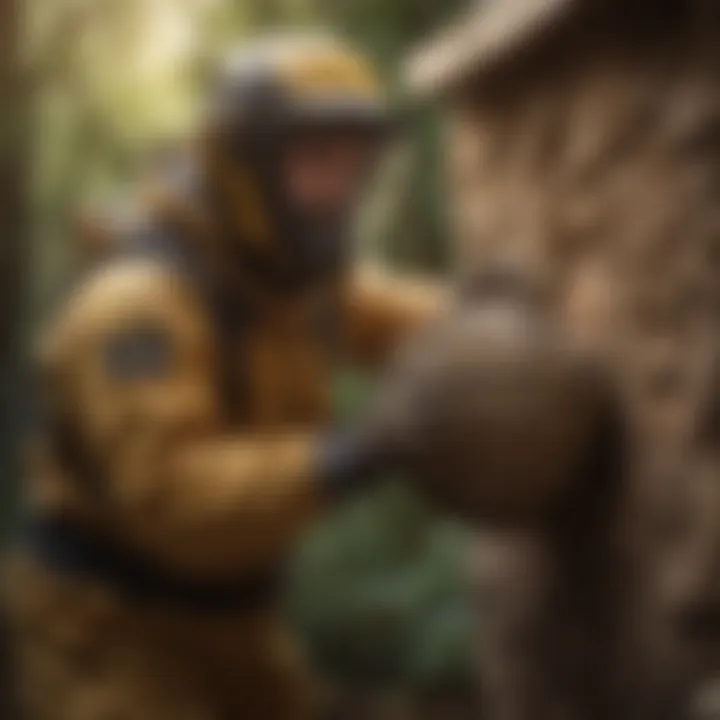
590	164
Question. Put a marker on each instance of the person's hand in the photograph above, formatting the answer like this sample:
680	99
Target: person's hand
351	459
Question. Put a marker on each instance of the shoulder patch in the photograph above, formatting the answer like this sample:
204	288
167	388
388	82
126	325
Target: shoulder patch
143	352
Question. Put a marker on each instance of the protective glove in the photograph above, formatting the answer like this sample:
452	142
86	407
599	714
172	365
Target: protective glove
352	458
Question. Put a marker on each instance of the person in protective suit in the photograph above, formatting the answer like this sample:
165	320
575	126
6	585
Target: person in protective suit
189	436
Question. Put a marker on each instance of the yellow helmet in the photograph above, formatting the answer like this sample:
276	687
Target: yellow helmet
283	81
264	92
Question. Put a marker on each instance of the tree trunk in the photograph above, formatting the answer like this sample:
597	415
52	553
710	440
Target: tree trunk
13	234
13	245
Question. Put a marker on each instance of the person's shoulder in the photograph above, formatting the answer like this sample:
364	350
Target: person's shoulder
122	297
125	284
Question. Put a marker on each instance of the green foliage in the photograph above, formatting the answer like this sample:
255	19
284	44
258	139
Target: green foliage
380	588
380	595
112	78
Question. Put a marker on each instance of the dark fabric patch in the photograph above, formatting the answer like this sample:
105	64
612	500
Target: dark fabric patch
139	353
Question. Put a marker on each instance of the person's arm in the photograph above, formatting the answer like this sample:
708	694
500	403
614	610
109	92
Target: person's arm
384	308
134	362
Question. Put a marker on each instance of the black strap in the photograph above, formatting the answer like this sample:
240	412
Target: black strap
71	549
229	315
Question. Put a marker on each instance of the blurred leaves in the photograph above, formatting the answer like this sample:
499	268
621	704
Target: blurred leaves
380	588
113	79
380	591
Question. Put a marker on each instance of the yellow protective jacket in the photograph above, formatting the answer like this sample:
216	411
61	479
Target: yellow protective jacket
198	442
